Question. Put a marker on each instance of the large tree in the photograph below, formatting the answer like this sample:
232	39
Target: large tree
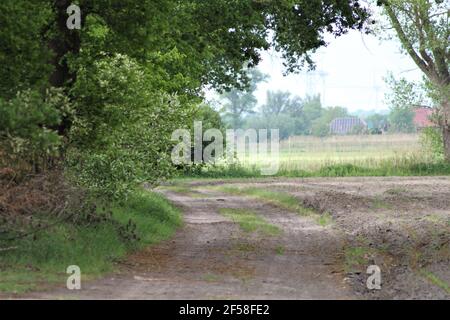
136	66
423	28
218	35
215	40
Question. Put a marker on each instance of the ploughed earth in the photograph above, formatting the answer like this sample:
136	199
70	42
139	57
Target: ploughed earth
239	246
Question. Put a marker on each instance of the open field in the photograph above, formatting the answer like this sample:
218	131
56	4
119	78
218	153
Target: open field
310	153
241	243
337	156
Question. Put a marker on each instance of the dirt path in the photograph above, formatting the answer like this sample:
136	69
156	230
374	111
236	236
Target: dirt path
212	258
401	225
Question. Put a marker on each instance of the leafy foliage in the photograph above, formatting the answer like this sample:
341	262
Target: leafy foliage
402	99
423	29
278	102
432	141
401	119
28	140
136	71
23	59
239	103
121	136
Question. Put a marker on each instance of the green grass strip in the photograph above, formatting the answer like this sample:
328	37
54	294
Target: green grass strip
436	280
250	222
279	199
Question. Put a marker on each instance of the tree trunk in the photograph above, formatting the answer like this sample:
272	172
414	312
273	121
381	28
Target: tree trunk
66	41
446	128
446	136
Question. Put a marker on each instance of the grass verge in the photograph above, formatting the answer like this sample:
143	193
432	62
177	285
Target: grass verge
280	199
41	260
250	222
182	189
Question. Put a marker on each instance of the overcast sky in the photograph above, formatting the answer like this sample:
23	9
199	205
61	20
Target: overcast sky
350	72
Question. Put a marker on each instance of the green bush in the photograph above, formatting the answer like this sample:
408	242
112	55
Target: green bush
28	128
432	141
121	135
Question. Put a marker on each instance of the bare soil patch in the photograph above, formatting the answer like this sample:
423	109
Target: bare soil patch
400	224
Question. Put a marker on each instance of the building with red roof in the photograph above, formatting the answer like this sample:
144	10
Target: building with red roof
422	117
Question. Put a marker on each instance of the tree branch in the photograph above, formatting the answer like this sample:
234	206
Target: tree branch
441	66
422	45
404	40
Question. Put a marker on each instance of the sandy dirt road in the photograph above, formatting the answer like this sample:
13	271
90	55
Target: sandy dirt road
211	257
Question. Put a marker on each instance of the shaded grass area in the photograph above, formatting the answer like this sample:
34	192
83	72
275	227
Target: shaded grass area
41	260
250	222
279	199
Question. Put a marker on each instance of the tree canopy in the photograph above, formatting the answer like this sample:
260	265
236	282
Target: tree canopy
136	70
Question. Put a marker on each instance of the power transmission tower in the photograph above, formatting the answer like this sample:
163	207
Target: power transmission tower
311	83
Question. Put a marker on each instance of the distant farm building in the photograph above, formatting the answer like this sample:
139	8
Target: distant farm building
422	117
348	125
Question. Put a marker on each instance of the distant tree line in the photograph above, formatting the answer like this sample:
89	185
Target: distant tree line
294	115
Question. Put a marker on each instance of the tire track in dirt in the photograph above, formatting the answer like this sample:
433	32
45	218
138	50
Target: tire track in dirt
210	257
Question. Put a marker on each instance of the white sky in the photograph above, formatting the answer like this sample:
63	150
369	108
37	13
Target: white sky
352	66
349	72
